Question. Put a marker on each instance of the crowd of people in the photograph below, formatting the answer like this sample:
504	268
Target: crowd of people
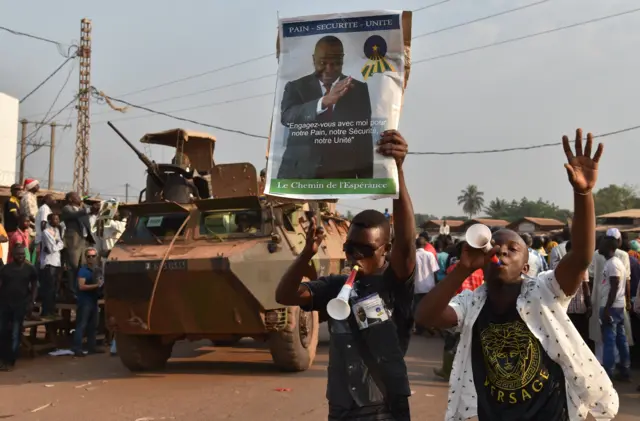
614	272
535	329
508	312
54	253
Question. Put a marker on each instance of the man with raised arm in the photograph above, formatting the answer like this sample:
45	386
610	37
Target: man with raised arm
520	357
367	378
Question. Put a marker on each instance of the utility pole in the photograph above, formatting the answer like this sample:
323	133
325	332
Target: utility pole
81	165
52	153
23	149
126	193
51	145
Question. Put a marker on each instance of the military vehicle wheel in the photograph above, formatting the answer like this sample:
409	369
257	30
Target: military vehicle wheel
294	347
143	352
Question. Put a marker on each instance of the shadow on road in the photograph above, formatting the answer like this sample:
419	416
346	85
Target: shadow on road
246	358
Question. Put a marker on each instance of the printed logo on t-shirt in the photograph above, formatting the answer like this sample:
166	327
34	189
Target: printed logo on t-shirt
513	361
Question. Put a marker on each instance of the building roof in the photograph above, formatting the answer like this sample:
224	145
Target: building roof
544	222
5	192
629	213
451	222
488	222
628	228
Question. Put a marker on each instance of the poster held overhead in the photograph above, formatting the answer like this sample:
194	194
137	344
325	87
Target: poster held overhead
341	80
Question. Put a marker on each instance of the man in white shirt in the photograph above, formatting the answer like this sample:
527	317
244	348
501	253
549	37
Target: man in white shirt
425	276
444	228
613	301
42	217
596	273
519	356
50	264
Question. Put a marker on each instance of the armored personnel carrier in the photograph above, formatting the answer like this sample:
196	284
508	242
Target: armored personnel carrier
201	257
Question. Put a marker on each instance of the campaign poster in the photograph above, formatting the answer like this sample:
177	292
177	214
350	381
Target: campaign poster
340	85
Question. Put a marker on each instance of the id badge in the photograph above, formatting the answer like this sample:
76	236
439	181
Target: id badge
369	311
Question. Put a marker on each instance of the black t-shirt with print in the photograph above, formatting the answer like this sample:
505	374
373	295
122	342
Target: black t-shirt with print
515	378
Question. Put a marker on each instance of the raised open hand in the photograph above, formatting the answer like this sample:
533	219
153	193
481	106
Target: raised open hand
582	169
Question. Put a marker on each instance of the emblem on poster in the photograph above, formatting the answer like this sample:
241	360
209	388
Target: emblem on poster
375	49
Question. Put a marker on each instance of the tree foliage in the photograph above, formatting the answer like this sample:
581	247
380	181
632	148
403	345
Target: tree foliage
511	211
614	198
471	199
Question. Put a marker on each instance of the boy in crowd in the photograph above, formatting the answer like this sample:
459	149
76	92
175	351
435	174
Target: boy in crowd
519	356
367	378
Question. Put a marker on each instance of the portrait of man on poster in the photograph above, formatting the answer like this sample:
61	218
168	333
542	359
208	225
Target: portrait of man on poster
327	95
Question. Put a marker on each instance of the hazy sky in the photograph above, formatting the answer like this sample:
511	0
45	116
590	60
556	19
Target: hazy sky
523	93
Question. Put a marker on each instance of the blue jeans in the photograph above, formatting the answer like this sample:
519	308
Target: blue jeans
86	322
614	336
11	324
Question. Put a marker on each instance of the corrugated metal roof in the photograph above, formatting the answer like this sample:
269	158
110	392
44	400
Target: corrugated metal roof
544	221
489	222
629	213
450	222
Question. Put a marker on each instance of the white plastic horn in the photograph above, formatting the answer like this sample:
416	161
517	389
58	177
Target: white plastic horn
338	308
478	236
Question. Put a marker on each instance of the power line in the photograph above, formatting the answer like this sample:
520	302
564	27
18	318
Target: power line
199	92
448	28
459	25
416	62
204	91
599	19
47	79
208	72
524	37
240	63
64	85
24	34
521	148
45	122
189	108
183	119
429	6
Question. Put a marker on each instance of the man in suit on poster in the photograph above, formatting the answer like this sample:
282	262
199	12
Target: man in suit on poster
327	95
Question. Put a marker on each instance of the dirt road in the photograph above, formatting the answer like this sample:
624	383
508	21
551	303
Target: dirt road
203	384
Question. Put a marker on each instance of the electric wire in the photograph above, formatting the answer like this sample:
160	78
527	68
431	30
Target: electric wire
47	79
524	37
240	63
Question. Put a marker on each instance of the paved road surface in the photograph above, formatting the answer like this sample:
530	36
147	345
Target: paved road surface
204	384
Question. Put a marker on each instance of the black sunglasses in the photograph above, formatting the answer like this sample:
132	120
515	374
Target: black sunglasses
359	250
91	255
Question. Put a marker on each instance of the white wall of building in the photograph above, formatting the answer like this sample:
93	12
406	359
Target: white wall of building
9	108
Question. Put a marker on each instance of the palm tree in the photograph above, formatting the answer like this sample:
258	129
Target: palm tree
498	208
471	199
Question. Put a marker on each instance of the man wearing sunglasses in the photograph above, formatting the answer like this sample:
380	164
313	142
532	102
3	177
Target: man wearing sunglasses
90	280
359	387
